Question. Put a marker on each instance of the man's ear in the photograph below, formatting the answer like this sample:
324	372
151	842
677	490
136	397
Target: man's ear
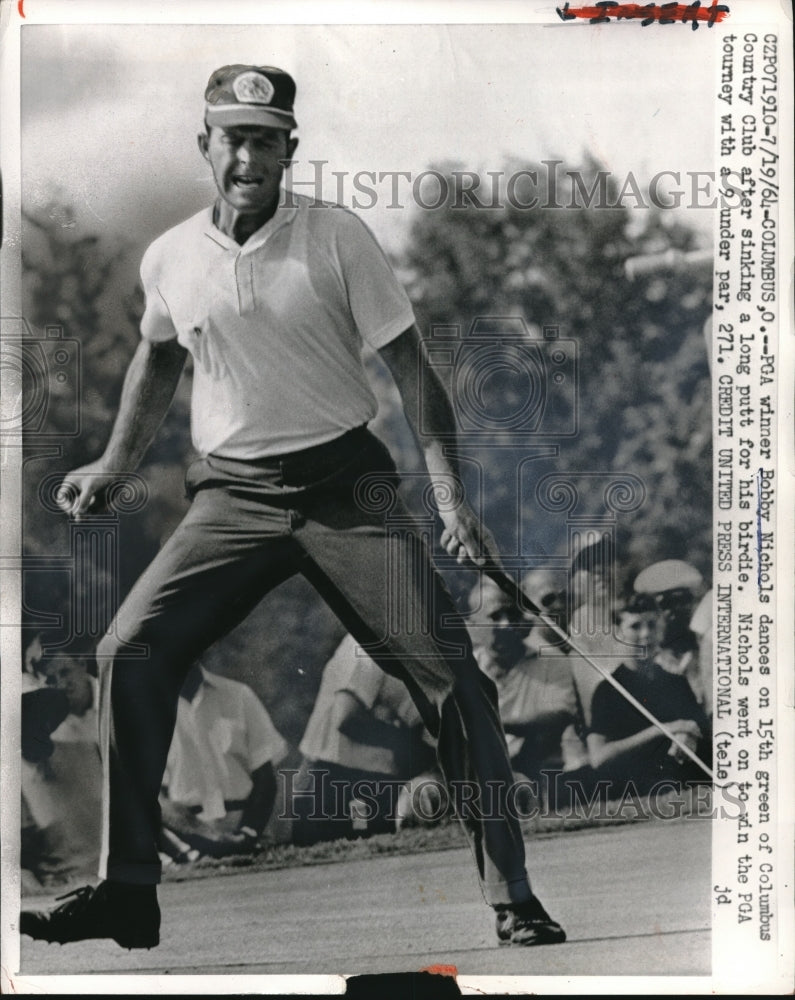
202	139
292	144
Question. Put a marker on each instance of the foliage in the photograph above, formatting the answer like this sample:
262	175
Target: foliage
644	397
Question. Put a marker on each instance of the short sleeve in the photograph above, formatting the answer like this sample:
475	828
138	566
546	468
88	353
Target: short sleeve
604	711
265	743
378	302
687	706
318	735
365	681
156	323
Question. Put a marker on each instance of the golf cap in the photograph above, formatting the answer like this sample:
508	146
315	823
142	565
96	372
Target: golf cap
670	574
250	95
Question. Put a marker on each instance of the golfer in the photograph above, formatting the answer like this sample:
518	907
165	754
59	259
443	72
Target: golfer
275	295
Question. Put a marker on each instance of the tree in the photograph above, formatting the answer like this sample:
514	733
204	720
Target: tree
643	401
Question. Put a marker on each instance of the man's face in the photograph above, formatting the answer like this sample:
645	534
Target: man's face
498	633
247	163
71	677
544	593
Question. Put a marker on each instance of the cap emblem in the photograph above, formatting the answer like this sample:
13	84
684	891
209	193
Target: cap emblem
253	88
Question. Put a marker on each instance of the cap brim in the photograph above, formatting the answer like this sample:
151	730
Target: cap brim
229	115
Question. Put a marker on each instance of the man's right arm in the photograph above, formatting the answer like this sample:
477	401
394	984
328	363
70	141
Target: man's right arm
149	387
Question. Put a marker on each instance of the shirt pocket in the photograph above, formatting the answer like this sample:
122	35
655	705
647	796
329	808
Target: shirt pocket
228	737
203	342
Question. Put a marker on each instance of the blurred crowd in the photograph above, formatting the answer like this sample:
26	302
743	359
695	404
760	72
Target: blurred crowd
570	667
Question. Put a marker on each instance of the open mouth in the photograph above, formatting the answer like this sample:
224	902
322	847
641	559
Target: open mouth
246	181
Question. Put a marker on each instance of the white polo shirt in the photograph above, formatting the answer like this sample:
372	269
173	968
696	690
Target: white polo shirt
276	327
384	696
220	738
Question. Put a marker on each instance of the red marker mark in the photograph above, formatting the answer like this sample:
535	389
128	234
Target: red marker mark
441	970
647	13
20	4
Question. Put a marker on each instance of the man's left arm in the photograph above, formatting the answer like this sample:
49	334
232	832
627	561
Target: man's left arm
259	804
464	536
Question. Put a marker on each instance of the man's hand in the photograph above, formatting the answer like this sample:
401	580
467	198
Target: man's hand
149	386
685	727
687	732
207	837
82	490
220	843
466	538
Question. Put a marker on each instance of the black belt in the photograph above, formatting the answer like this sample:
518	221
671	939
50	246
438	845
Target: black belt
300	468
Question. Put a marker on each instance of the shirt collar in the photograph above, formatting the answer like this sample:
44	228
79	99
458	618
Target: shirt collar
209	680
208	677
285	212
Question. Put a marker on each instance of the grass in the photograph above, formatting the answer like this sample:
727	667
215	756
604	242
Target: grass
446	835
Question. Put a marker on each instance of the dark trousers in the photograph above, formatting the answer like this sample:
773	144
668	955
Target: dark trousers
331	513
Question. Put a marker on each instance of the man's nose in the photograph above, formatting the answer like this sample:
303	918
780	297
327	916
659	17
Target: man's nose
247	153
505	618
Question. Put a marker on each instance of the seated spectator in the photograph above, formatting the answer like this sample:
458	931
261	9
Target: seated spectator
61	778
364	735
536	695
43	711
219	786
624	746
43	708
675	586
548	593
591	628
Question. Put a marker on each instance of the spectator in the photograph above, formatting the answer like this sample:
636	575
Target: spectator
675	586
623	745
219	786
590	597
61	777
538	706
535	693
545	589
364	733
535	688
43	708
